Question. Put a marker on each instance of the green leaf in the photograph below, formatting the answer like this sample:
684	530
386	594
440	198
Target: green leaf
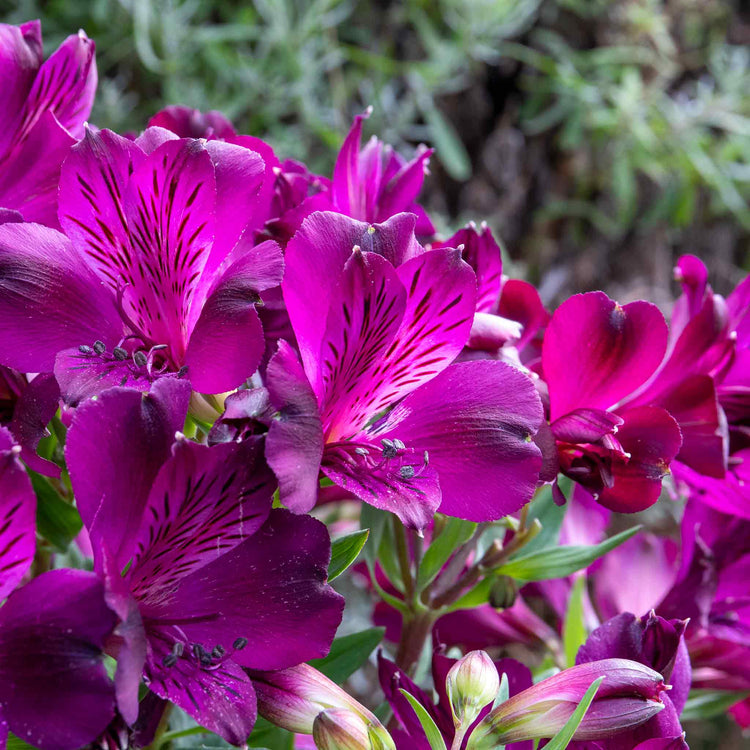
388	554
430	729
454	534
57	521
574	628
448	146
348	653
374	520
14	743
266	735
550	515
705	704
561	561
475	597
344	551
561	740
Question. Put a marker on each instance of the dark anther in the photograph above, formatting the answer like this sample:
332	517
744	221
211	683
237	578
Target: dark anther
158	347
205	660
140	359
239	644
124	380
177	649
389	448
182	371
406	472
99	347
85	349
218	651
169	660
120	353
399	444
198	650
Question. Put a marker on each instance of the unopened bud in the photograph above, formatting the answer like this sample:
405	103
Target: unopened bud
341	729
471	684
627	698
503	593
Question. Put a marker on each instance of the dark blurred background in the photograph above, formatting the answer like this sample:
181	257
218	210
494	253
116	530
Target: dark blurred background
599	138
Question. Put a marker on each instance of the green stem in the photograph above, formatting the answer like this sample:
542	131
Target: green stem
415	631
402	550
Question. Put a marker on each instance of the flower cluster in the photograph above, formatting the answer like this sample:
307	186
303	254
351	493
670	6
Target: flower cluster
213	362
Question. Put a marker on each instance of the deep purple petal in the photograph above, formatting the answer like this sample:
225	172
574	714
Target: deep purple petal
347	191
222	699
521	301
402	189
54	690
115	448
585	425
596	353
294	446
17	516
192	123
66	84
203	503
227	343
20	59
270	589
476	421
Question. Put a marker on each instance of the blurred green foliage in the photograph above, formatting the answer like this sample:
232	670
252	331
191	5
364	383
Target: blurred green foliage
652	101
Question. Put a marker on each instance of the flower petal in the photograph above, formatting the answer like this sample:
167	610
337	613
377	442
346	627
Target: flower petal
54	690
48	299
596	353
294	445
476	421
115	448
187	122
17	516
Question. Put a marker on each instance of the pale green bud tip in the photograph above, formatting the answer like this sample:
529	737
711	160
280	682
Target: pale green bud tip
471	684
340	729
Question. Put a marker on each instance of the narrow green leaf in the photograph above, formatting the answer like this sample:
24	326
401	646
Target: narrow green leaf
430	728
561	740
574	628
475	597
388	554
448	146
57	521
374	520
348	653
504	692
706	704
455	533
266	735
561	561
344	551
14	743
550	515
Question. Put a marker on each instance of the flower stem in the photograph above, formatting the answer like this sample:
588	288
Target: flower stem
415	631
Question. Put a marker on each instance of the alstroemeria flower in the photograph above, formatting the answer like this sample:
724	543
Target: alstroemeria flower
657	643
596	354
43	106
17	516
378	321
197	565
374	183
54	689
154	275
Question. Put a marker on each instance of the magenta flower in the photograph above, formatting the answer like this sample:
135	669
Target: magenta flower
153	277
596	354
43	106
378	321
374	183
54	689
187	122
197	566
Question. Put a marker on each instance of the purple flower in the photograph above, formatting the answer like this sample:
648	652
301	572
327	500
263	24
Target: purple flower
17	516
54	690
597	354
154	275
378	321
656	643
205	578
374	183
43	106
187	122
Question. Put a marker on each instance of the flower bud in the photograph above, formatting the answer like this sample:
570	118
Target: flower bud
628	697
471	684
292	698
342	729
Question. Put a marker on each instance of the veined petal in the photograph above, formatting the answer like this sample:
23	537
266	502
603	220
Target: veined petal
226	345
596	353
221	699
204	502
401	190
585	425
294	445
520	301
347	192
476	421
359	330
269	589
49	301
115	448
17	516
187	122
54	690
65	85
